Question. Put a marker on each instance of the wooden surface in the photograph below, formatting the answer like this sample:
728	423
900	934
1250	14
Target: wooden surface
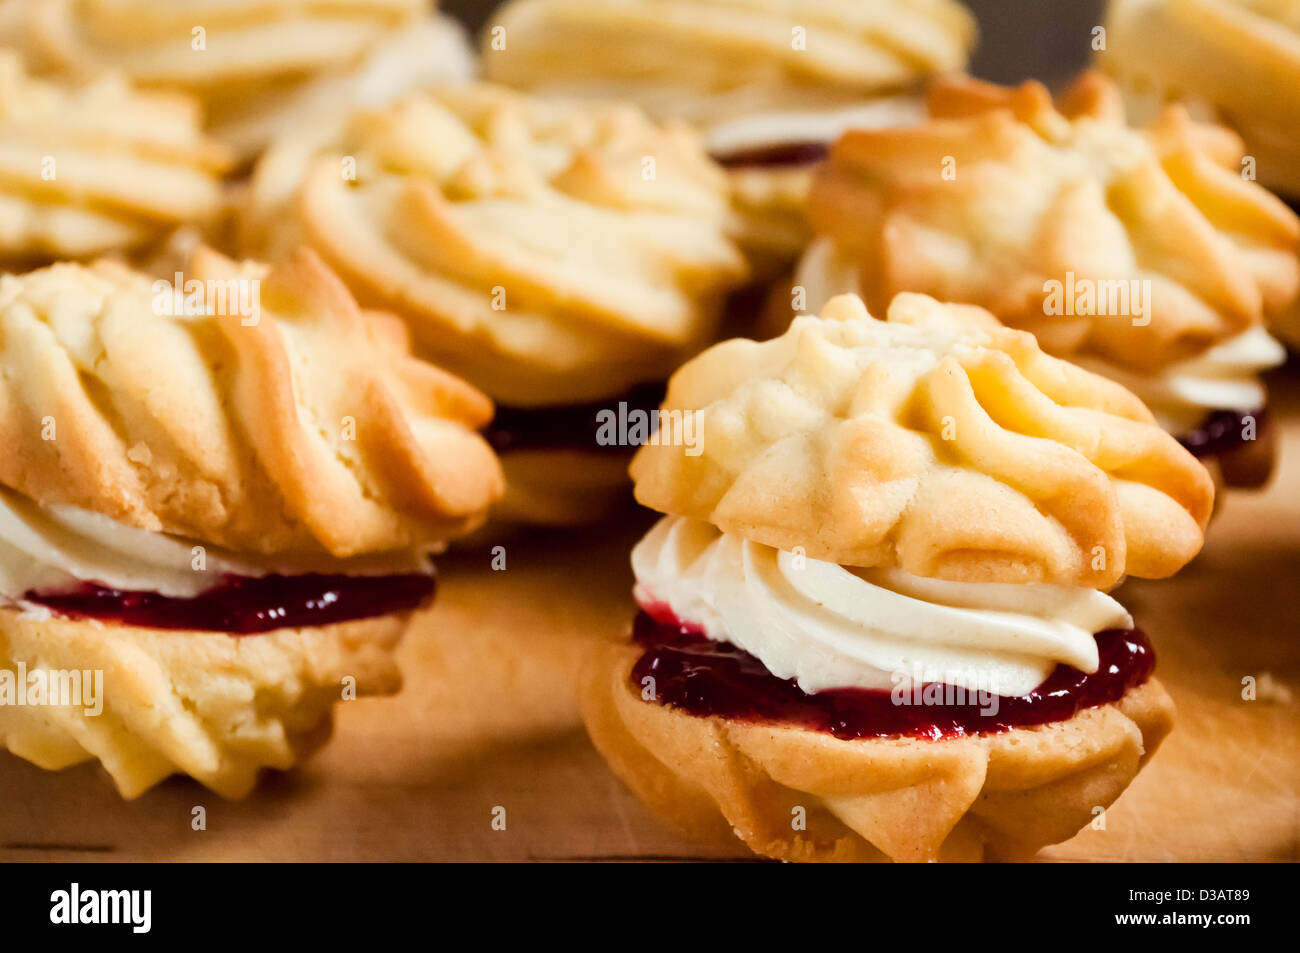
487	720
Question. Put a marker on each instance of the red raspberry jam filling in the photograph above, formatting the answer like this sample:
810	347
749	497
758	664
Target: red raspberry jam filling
244	605
568	426
780	154
703	677
1222	431
1242	464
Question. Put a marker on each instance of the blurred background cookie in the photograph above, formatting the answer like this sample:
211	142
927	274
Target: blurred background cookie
99	166
558	256
1140	253
257	66
769	83
1234	60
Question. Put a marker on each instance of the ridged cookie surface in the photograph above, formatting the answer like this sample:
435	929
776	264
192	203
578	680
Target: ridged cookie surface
709	60
548	253
98	167
257	65
988	796
938	442
214	706
1003	193
265	413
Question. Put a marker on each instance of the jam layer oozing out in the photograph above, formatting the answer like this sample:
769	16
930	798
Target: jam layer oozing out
568	426
703	677
780	154
244	605
1222	431
1222	434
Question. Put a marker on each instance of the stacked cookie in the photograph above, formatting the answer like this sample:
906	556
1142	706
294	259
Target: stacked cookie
223	500
874	621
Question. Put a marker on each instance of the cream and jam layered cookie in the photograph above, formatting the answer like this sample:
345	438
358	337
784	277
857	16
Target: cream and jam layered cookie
1142	254
874	621
561	258
258	66
99	167
770	84
217	506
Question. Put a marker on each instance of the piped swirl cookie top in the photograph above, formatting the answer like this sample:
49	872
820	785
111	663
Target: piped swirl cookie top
708	60
257	410
87	169
937	442
1239	58
549	253
204	43
1004	199
249	61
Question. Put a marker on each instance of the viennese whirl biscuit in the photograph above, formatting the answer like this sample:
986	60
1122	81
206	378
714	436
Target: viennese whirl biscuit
99	167
1142	254
556	256
768	82
874	621
257	66
216	507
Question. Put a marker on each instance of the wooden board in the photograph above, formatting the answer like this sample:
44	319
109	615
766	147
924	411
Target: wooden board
487	719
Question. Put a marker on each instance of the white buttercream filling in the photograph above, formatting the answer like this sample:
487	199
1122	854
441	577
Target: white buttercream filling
1224	377
829	626
781	127
57	547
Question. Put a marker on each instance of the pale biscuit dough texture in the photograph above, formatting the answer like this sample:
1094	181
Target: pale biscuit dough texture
289	422
1238	60
938	442
549	254
257	66
1004	198
982	797
214	706
97	167
716	59
724	64
252	409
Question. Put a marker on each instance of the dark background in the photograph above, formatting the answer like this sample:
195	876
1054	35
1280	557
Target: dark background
1047	39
